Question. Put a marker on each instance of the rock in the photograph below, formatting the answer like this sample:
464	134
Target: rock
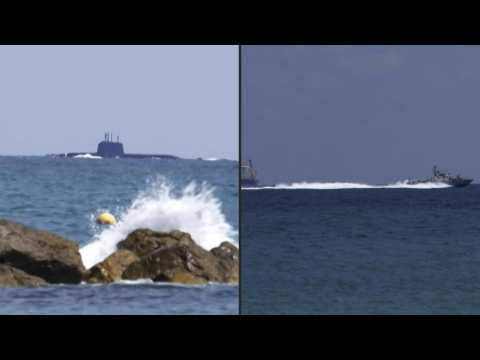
226	250
11	277
228	257
144	241
40	253
111	269
175	257
173	263
184	277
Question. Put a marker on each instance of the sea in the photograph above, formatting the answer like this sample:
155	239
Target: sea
65	195
348	248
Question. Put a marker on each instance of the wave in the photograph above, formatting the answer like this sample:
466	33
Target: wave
194	209
87	156
157	283
349	185
150	282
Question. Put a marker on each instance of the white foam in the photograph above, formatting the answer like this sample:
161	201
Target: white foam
427	185
349	185
86	156
135	282
158	283
194	210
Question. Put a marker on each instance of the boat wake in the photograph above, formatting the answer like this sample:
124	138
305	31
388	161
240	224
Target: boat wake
193	209
87	156
349	185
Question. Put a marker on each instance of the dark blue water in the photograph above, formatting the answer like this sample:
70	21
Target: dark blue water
65	195
361	251
119	299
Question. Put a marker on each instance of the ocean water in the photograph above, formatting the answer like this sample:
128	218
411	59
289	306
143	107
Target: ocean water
348	248
65	195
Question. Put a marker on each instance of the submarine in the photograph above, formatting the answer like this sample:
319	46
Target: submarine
108	148
443	178
248	176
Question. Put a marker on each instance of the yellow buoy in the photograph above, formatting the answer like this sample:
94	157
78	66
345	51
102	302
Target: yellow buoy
106	219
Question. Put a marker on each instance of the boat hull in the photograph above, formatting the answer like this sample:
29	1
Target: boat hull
248	183
459	183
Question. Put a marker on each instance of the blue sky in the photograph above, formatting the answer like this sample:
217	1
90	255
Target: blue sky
180	100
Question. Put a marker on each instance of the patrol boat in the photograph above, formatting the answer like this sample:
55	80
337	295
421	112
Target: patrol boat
444	178
248	176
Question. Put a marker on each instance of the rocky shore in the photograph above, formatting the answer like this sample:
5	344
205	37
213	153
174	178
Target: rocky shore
30	257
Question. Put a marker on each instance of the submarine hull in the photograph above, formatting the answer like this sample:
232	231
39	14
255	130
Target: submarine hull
122	156
110	149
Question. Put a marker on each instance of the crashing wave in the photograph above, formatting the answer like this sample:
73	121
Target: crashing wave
194	209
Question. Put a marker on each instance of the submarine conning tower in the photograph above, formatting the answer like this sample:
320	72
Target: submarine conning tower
108	148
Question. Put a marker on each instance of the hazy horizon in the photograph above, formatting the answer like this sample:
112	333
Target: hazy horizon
179	100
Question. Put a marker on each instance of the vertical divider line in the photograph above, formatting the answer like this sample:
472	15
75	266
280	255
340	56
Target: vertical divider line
239	178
